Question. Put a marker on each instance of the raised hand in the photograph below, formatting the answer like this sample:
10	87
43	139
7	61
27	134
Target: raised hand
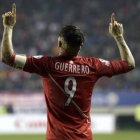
115	28
9	19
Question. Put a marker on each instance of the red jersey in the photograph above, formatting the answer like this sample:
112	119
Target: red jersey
68	86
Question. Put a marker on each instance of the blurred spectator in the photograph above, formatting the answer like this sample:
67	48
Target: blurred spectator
9	109
137	115
3	110
6	109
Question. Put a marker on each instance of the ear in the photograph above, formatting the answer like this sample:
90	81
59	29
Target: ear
60	44
81	46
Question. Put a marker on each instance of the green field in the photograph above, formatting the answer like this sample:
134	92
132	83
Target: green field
121	135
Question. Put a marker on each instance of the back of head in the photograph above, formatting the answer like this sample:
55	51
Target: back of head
72	35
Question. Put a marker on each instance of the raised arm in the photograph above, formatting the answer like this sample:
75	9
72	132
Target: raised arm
9	20
116	30
29	64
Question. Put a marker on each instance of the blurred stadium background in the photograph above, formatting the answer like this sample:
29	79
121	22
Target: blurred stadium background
115	103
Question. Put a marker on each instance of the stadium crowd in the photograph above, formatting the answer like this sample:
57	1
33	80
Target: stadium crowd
37	29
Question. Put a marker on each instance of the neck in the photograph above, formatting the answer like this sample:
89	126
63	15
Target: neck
68	52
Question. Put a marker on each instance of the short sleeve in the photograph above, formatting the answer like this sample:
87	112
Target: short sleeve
110	68
37	64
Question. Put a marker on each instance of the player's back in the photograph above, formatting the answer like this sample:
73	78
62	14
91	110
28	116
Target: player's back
68	85
68	90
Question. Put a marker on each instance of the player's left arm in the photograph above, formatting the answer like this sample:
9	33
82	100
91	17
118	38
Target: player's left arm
9	20
37	64
116	30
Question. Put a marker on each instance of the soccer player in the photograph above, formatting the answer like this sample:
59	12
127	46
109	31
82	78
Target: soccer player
68	79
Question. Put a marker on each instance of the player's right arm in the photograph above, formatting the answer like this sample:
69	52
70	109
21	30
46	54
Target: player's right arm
116	30
127	63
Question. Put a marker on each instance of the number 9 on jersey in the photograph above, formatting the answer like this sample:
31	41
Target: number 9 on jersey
68	91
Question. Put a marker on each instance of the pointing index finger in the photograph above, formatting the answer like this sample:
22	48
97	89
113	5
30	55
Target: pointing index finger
113	19
14	9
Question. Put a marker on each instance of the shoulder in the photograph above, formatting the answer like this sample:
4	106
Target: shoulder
94	62
41	58
89	60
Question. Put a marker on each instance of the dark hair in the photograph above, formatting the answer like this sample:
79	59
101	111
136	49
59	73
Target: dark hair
72	35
